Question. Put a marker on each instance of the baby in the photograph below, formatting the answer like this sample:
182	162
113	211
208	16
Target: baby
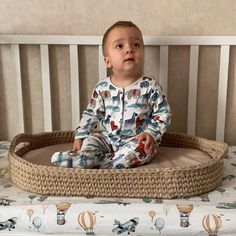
131	107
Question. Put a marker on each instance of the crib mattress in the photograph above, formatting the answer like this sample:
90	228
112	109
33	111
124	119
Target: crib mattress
184	166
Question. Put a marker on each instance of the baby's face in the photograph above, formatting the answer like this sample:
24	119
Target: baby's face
125	52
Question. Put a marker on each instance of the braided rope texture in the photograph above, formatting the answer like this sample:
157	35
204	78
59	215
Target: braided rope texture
163	183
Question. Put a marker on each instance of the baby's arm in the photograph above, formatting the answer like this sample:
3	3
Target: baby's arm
90	118
160	116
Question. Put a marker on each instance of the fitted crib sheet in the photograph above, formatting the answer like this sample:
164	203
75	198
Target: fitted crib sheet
26	213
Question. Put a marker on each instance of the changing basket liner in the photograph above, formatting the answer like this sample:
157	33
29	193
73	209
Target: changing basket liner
185	166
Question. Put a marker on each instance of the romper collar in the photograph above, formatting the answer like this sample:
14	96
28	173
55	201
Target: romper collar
131	85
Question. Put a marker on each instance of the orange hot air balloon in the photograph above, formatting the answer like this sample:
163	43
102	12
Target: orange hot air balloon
30	212
152	214
87	221
212	224
62	208
184	211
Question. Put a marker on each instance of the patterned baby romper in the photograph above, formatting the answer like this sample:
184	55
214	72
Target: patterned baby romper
124	113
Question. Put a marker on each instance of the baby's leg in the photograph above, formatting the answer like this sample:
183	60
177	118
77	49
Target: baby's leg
129	155
93	151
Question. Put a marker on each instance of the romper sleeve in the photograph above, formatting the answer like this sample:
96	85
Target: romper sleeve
160	116
93	114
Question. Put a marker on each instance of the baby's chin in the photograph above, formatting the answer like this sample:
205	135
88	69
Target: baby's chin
132	67
132	73
131	64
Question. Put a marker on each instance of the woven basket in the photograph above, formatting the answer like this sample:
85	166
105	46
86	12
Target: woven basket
166	183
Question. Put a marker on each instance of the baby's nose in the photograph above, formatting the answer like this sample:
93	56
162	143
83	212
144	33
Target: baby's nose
129	49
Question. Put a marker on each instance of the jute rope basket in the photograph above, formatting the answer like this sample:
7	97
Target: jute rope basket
166	183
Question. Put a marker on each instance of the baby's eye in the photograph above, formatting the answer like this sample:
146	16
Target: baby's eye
136	45
119	46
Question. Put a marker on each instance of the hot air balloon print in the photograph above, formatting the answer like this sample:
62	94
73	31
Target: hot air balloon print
37	222
87	220
30	212
152	214
166	208
184	211
212	224
32	197
159	224
62	208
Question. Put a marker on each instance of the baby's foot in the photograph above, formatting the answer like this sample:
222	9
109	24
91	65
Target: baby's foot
63	159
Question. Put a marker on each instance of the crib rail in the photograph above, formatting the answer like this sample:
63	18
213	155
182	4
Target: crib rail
163	41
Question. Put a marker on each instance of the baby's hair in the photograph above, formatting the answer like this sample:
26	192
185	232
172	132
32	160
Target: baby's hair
116	25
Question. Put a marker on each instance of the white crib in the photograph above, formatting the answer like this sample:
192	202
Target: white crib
44	42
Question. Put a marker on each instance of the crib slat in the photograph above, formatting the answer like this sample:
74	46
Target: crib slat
47	108
74	75
163	78
102	66
192	91
20	113
222	93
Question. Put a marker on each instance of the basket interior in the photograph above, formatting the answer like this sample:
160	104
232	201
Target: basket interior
167	157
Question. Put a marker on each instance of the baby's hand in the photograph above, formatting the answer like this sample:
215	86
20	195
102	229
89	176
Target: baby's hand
149	144
77	144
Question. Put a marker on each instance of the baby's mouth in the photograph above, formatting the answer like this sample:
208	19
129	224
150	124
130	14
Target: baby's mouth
129	59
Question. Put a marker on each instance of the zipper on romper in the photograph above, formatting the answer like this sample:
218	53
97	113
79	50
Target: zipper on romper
122	112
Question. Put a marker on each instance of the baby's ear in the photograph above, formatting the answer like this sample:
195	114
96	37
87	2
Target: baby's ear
107	62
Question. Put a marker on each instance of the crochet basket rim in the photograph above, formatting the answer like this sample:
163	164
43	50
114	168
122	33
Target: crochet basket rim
166	183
